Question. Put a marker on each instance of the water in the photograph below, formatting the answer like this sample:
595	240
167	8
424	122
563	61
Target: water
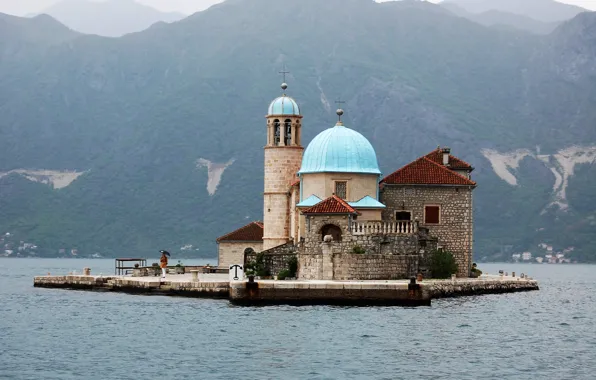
59	334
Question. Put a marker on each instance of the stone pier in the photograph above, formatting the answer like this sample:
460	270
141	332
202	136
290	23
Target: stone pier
302	292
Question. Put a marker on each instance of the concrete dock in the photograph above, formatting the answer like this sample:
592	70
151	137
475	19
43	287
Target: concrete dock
267	292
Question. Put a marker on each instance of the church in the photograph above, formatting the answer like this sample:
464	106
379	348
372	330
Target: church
330	206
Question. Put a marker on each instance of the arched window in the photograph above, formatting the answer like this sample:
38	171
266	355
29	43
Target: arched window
248	252
288	132
331	229
276	132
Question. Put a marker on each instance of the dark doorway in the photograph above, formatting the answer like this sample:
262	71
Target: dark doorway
403	216
333	230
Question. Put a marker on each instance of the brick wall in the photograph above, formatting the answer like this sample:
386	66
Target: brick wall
372	244
350	266
276	259
455	230
374	267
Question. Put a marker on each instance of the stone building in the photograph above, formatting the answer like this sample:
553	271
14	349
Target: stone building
233	246
330	205
435	191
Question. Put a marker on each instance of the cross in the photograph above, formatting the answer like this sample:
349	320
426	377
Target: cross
284	72
340	112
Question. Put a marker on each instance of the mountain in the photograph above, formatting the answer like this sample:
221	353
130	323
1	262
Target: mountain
500	19
541	10
112	18
39	30
28	38
154	140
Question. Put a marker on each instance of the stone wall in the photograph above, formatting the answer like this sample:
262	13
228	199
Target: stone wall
230	253
276	259
351	266
310	267
372	244
455	228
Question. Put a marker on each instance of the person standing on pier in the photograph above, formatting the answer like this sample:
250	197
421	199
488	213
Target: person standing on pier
163	262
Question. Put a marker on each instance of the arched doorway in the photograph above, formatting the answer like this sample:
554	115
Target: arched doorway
248	252
331	229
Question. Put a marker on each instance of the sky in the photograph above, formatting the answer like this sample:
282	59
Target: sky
24	7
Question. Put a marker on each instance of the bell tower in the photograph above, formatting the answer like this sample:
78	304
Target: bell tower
283	157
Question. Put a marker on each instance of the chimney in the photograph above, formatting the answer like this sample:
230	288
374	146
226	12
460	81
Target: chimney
446	152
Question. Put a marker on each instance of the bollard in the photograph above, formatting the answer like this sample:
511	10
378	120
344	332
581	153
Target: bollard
413	287
512	274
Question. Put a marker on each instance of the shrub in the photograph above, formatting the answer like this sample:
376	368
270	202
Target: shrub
257	267
292	266
442	264
358	250
284	274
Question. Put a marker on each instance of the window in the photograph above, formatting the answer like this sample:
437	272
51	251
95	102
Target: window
288	132
341	189
432	214
276	132
403	216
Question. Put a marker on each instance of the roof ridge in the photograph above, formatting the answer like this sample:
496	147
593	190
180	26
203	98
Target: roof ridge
344	203
333	198
401	169
447	170
440	151
258	223
400	175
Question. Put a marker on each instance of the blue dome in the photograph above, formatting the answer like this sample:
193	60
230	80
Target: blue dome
284	105
340	150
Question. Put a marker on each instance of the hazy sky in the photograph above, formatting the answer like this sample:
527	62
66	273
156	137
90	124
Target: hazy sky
23	7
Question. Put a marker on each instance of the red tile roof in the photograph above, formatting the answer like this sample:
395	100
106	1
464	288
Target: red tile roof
454	162
425	171
331	205
250	232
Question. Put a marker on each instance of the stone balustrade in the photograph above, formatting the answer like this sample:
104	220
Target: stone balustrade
384	228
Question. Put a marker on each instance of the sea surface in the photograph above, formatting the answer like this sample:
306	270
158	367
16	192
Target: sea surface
61	334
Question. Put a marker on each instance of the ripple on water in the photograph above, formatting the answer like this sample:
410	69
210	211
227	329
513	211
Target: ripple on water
70	335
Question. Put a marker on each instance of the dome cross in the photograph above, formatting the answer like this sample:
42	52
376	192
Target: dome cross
283	72
339	111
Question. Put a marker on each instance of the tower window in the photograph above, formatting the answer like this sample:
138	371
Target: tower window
288	132
341	189
276	132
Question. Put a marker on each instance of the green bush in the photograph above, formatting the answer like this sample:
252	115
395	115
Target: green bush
442	264
292	266
282	275
257	267
358	250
